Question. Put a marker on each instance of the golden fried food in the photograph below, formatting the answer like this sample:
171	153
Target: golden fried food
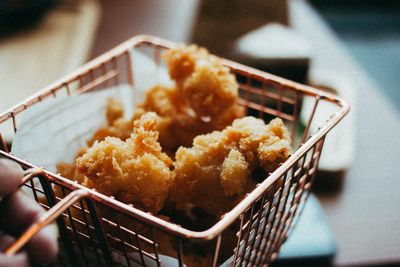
208	87
117	125
114	110
181	61
220	155
210	90
178	125
204	99
68	170
234	173
217	170
134	171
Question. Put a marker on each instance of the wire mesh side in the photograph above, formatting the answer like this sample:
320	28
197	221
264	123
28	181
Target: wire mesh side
266	224
80	234
103	75
96	233
267	99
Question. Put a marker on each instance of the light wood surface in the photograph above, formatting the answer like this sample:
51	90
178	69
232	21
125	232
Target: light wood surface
58	44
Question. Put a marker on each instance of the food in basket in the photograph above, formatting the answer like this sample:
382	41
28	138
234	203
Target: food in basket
186	150
134	171
221	166
179	124
203	99
207	85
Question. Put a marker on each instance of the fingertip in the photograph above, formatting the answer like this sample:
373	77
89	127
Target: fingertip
20	260
43	247
10	176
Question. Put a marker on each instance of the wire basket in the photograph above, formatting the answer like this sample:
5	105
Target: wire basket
98	230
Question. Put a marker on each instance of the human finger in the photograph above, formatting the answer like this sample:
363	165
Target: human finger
43	247
19	259
19	212
10	176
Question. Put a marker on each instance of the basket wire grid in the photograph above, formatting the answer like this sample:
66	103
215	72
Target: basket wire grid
98	230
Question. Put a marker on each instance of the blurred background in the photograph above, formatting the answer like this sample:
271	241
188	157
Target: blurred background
351	48
370	30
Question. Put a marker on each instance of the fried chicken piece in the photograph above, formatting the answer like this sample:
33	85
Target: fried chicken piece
134	171
216	172
203	100
178	125
181	61
114	110
208	87
122	128
68	170
165	101
210	90
234	173
117	125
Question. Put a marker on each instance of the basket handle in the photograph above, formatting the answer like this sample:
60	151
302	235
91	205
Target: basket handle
48	217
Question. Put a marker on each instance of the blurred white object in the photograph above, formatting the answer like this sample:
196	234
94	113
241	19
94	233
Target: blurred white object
274	41
277	49
339	144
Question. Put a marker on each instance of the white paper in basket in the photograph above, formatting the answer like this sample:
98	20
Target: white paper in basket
52	131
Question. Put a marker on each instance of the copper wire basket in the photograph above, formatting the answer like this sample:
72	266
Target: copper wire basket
98	230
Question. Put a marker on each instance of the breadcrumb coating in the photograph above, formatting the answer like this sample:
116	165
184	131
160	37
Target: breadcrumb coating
220	155
114	110
134	171
210	90
217	170
181	60
234	173
178	124
204	99
117	125
208	86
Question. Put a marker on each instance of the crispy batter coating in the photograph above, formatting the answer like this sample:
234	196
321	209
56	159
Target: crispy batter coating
203	100
208	86
217	170
178	125
181	61
68	170
117	125
219	157
114	110
134	171
210	90
234	173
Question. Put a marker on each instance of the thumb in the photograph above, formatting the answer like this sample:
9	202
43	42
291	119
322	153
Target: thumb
20	260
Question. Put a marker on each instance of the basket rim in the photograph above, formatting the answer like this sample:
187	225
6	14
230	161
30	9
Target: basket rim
153	220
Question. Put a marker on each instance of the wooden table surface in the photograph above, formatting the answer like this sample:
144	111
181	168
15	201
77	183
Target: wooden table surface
59	43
